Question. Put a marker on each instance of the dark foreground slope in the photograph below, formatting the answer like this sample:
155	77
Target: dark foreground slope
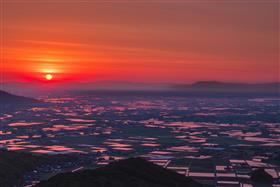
133	172
13	165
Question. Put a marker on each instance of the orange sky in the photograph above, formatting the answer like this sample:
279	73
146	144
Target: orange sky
148	41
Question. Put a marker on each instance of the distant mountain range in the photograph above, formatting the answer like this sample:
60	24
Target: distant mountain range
214	86
198	87
133	172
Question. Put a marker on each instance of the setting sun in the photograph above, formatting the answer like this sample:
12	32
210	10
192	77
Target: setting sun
49	77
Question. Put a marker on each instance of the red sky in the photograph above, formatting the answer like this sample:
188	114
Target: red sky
142	41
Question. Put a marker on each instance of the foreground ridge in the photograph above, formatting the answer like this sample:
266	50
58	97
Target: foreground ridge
134	172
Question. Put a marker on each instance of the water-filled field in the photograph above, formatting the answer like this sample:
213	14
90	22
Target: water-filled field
210	138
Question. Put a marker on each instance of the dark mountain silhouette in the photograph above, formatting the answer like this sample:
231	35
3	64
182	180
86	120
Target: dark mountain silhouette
223	87
236	87
133	172
7	98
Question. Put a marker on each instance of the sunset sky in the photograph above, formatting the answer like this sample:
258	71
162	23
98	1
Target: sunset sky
141	41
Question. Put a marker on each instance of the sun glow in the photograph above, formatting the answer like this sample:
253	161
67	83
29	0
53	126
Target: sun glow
48	77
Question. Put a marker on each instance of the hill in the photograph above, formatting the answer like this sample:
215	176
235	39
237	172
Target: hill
134	172
7	98
13	165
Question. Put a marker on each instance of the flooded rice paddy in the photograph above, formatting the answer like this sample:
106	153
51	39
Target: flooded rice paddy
215	140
